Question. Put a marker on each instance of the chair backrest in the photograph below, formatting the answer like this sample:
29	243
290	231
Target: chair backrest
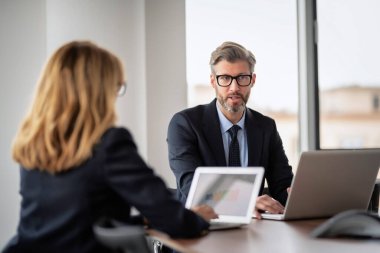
124	237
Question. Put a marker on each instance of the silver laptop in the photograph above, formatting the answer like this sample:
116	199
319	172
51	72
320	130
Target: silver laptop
231	191
329	182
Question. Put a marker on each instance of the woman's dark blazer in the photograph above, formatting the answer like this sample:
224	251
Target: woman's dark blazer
58	211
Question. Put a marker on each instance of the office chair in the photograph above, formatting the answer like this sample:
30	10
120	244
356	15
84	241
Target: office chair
127	238
158	246
123	237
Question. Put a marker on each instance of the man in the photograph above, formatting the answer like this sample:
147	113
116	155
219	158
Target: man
200	136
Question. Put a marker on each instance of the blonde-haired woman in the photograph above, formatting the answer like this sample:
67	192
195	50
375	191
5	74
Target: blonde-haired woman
76	166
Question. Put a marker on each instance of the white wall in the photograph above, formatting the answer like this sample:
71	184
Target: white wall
149	36
22	52
166	75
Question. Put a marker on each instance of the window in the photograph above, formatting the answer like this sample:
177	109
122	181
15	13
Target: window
348	73
376	103
267	28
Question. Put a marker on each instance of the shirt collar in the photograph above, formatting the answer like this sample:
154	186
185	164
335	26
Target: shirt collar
225	124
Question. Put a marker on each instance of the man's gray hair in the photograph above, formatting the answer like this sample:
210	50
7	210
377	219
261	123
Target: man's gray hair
232	52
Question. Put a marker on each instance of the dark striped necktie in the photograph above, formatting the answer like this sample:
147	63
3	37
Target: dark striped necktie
234	150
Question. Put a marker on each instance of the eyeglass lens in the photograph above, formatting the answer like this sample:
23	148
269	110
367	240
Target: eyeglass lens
122	89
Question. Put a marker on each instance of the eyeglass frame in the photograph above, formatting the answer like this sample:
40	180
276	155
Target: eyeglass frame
234	78
122	89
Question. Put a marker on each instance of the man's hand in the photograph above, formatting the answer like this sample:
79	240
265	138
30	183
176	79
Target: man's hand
267	204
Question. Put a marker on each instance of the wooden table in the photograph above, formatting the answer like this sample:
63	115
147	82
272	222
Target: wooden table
268	236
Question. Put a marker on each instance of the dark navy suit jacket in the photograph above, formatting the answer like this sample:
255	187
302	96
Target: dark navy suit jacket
194	139
58	211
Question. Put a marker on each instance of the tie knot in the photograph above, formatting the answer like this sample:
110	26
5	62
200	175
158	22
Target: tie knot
234	130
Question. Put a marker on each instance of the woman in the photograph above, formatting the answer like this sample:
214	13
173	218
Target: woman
77	167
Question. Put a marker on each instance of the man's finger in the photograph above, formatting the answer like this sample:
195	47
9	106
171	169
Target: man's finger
269	204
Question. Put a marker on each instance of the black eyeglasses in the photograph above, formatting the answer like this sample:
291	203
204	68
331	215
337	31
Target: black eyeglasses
226	80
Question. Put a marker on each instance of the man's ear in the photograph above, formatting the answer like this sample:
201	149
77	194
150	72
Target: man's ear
212	80
253	79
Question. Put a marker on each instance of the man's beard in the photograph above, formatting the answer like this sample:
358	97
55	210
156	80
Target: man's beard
236	108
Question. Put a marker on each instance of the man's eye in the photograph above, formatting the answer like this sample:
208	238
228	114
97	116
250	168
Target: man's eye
225	78
243	77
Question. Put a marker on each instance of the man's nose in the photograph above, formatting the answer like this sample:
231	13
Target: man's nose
234	85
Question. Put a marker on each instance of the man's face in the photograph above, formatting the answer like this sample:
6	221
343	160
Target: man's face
234	97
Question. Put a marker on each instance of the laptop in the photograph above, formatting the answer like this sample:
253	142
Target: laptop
230	191
329	182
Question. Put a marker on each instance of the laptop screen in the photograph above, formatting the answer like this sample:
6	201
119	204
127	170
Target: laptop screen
232	192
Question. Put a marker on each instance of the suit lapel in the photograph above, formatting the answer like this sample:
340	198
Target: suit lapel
255	139
211	130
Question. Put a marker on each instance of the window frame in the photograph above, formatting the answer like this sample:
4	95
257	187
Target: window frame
308	106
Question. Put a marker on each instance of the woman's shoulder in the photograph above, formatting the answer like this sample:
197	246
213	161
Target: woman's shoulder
116	133
113	132
116	137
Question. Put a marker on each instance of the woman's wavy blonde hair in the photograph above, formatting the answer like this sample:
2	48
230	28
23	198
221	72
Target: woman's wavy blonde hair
74	105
